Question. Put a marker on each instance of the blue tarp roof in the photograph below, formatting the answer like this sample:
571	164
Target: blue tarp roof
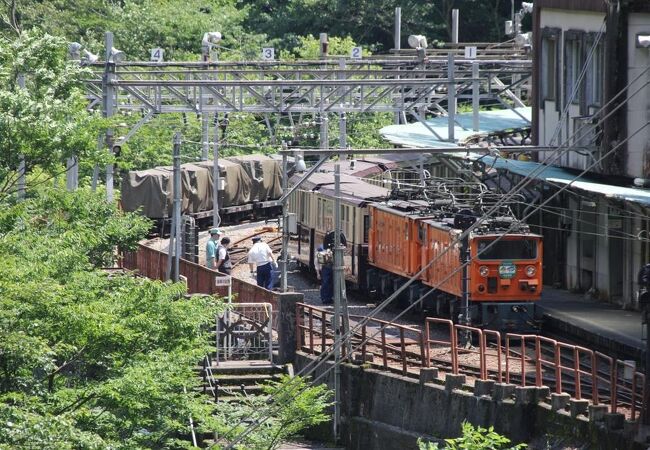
417	135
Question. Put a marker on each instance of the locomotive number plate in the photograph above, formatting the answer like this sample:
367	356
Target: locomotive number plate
507	270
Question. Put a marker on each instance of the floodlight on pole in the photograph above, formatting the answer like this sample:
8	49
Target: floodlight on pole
116	56
209	40
89	57
300	162
524	40
74	50
417	41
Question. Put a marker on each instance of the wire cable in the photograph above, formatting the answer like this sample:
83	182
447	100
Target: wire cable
521	185
324	356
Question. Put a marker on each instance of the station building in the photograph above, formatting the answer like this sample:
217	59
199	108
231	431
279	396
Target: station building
590	121
591	92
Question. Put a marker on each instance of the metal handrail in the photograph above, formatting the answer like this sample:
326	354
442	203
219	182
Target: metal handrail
572	368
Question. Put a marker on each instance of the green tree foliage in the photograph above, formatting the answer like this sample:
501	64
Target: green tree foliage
371	22
474	438
46	121
139	25
92	359
296	405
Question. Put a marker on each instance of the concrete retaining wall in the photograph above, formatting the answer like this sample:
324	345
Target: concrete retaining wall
382	410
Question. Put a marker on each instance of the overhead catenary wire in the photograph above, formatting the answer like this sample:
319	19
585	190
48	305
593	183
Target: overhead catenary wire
619	234
325	355
309	369
518	188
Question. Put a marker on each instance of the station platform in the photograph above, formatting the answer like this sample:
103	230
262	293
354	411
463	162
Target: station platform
596	325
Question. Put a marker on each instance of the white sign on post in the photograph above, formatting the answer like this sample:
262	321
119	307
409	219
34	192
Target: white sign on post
157	54
356	53
268	53
222	280
470	52
225	280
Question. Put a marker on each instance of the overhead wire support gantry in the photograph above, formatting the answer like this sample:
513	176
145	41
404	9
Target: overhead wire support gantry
382	85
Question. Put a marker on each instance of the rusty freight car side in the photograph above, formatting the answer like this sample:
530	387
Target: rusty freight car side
394	244
438	245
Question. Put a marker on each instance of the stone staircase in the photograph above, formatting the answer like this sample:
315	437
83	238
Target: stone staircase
240	377
232	381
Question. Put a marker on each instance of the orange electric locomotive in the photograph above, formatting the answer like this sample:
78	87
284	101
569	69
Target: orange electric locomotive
419	235
394	235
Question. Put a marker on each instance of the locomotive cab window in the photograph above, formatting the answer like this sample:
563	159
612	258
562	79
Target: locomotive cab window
507	249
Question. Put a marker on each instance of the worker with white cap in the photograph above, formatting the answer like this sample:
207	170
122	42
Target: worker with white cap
211	248
260	257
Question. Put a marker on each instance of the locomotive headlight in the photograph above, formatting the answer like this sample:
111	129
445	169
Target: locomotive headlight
531	271
483	270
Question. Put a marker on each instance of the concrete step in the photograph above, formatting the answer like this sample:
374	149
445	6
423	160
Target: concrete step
230	379
246	367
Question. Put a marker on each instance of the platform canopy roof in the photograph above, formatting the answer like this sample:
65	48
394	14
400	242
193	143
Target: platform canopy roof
559	176
492	122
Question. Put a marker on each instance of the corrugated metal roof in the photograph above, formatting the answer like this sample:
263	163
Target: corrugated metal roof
417	135
353	189
560	176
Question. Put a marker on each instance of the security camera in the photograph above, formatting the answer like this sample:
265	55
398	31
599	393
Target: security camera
643	40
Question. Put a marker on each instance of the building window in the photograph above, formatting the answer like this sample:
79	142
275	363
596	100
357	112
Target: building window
572	66
595	76
549	67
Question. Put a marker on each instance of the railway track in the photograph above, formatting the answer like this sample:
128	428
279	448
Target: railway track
399	349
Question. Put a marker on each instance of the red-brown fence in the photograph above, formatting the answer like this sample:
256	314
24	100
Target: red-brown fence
525	360
152	263
397	347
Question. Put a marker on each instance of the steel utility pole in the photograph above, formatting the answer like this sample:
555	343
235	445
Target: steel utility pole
216	220
338	273
205	130
108	106
21	165
397	35
343	127
174	249
285	221
451	98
